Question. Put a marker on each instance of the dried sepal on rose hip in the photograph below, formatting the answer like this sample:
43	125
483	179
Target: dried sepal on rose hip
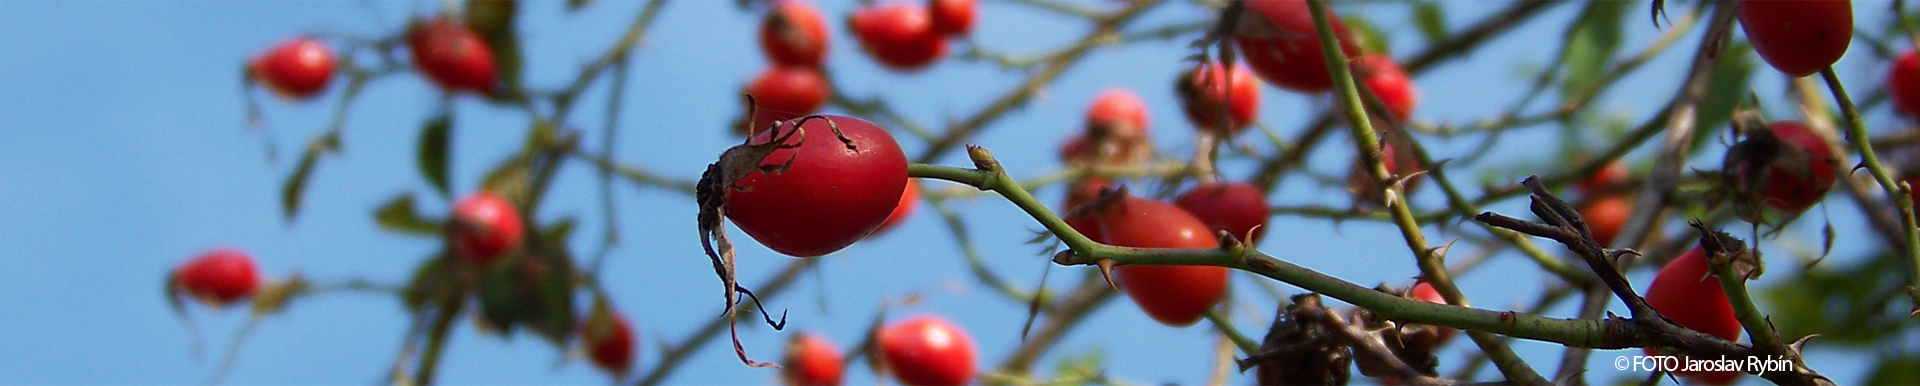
1783	165
844	183
1414	344
1301	350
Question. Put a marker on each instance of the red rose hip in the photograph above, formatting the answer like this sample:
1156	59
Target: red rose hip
1174	295
297	69
485	227
783	93
833	193
1423	291
1686	292
1798	37
794	34
909	199
1280	43
899	35
812	361
952	17
452	55
1387	81
1903	84
609	342
927	350
1204	92
1234	207
219	277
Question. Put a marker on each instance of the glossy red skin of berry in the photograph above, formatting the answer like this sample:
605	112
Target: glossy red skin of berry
1793	191
927	350
1290	56
297	69
899	35
1117	113
1204	92
1174	295
794	34
1798	37
1234	207
786	92
830	196
1387	81
1613	174
953	17
1605	215
1903	84
611	350
1425	292
452	55
812	360
486	227
1686	292
219	277
909	199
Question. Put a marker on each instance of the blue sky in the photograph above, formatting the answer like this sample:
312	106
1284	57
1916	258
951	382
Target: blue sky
125	153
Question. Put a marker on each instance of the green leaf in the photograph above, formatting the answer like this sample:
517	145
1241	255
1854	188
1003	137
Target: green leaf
557	233
434	279
295	187
500	298
434	152
1591	45
510	178
1852	305
1431	20
1370	38
399	214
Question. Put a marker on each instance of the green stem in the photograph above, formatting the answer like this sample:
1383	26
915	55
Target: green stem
1857	135
449	310
1749	315
1247	345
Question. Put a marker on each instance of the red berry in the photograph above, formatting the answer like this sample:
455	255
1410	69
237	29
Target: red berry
909	199
609	343
296	69
1799	165
899	35
219	277
1798	37
812	361
1234	207
783	93
1281	45
952	17
485	228
794	34
1605	216
1903	83
1204	90
1387	81
927	350
1425	292
830	196
1174	295
452	55
1117	113
1613	174
1079	193
1686	292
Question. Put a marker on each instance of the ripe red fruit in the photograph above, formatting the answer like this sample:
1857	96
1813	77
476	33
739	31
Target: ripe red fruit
1281	45
927	350
1387	81
1117	113
1204	90
1613	174
1605	216
296	69
794	34
1234	207
1798	37
1425	292
1903	83
485	227
609	343
219	277
786	92
1174	295
452	55
1798	164
830	196
1081	192
899	35
952	17
812	361
1686	292
909	199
